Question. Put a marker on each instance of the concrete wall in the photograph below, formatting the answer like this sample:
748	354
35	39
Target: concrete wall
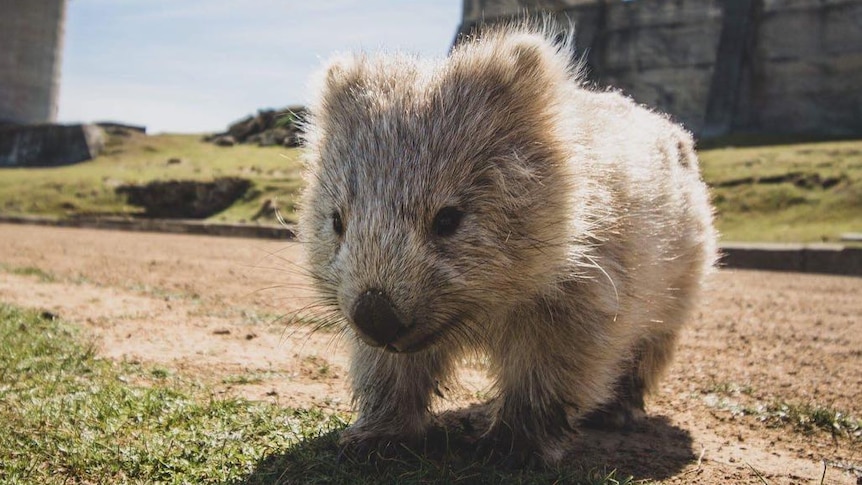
808	69
719	66
31	38
802	258
48	145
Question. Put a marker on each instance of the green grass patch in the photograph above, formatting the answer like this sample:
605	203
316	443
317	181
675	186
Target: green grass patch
727	388
243	379
810	418
804	418
88	188
43	276
71	417
786	193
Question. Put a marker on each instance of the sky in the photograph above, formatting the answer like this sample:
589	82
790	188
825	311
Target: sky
194	66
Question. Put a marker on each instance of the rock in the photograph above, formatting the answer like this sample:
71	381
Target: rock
224	141
275	136
267	128
252	125
121	129
48	315
294	138
253	139
243	128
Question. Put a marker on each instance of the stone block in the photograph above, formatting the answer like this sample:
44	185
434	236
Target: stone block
649	15
48	145
806	96
818	30
810	258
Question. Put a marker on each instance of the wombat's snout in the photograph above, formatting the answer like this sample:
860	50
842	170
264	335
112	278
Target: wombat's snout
376	319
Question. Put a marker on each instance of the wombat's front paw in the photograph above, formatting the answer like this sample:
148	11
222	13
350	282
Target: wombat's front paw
617	416
514	450
364	444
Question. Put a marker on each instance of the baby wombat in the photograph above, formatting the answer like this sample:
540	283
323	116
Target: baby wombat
489	202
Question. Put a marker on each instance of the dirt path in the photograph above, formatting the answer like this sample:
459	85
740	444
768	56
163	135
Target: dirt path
220	309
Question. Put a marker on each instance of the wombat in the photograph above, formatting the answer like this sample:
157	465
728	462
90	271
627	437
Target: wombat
491	202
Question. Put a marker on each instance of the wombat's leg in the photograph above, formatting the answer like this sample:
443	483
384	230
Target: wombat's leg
392	393
626	409
655	356
533	366
530	425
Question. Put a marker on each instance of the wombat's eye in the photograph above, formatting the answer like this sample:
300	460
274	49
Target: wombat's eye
446	221
337	225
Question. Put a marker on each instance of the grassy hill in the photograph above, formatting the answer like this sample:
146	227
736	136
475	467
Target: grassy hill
797	192
89	188
792	193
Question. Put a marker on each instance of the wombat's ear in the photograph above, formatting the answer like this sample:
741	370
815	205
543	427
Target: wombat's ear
536	60
343	73
529	55
336	85
510	67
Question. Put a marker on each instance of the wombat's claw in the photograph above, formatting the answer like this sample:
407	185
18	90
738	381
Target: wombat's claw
361	452
345	454
367	451
366	446
364	449
506	451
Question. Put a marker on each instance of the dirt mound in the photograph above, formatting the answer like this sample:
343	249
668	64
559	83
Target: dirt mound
185	199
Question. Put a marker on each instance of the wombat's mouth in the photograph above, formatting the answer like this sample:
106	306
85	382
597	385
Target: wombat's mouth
407	340
422	335
410	342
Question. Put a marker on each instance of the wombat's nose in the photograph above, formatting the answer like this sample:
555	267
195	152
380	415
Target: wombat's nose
375	317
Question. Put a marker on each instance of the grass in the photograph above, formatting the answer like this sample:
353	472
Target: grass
804	418
71	417
808	418
242	379
804	192
786	193
43	276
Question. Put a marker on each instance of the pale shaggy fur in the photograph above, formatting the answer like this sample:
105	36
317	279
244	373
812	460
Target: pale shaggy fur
585	235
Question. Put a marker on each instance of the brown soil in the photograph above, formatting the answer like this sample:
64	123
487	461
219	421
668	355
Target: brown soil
223	310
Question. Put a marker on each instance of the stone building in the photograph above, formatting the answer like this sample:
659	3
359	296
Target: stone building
785	67
31	43
31	40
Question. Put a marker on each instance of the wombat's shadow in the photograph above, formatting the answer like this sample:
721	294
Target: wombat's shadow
656	450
